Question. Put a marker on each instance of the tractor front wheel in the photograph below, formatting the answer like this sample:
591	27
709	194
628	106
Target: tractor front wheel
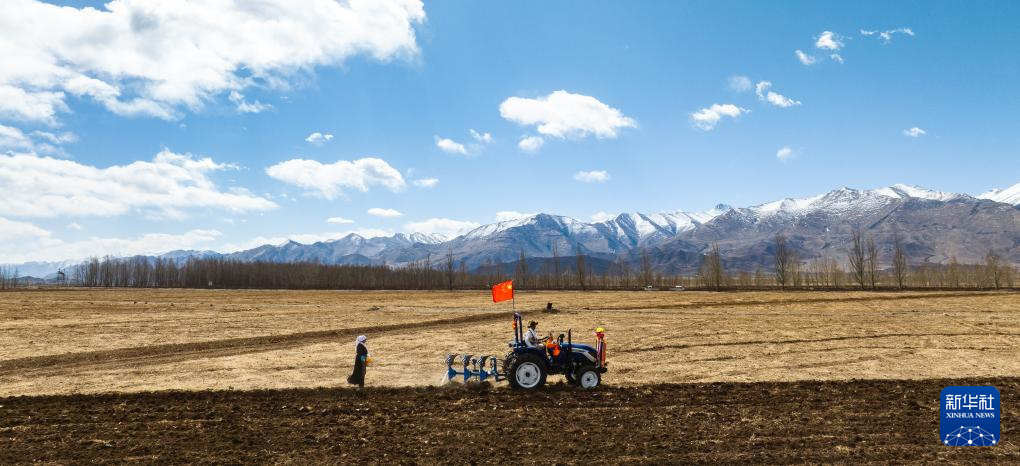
587	377
527	372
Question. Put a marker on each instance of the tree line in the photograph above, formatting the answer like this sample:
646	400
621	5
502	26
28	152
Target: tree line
863	269
8	277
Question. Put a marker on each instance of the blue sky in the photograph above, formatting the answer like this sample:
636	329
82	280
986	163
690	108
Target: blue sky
633	74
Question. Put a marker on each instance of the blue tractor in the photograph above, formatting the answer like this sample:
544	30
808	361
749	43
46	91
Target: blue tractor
528	367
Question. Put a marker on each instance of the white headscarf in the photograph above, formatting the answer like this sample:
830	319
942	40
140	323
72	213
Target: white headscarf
360	341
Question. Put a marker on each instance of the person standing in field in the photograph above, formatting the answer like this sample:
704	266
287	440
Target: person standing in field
360	362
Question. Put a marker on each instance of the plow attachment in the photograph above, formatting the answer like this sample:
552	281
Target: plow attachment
464	367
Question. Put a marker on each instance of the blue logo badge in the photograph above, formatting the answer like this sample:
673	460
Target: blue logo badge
969	416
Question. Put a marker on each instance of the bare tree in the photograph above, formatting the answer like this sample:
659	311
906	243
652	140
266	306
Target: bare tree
872	263
581	268
646	267
712	269
993	268
837	273
782	261
857	258
522	271
899	262
450	275
796	277
623	271
556	265
953	273
427	271
8	277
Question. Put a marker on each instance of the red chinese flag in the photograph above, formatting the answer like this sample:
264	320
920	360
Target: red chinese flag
503	291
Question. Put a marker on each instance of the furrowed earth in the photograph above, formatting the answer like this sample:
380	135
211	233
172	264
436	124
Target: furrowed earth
258	376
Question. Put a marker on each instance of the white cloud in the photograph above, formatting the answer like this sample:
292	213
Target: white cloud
531	143
62	138
10	229
805	58
243	106
51	249
426	183
74	226
450	146
318	139
707	118
35	186
13	139
765	95
837	58
594	176
339	220
506	215
565	115
453	147
784	153
828	40
443	226
329	180
380	212
19	104
484	138
915	132
157	58
602	217
739	83
887	36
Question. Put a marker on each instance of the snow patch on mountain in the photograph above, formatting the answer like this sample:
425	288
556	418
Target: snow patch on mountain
845	202
567	225
1010	195
904	191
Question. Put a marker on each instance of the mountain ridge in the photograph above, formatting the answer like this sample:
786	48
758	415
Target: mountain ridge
938	225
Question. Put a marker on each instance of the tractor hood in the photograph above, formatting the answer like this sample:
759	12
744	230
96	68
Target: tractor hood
578	347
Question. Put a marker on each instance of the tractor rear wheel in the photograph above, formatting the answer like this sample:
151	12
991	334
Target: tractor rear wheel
587	377
527	372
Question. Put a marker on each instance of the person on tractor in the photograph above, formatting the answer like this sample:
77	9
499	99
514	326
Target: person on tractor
531	336
552	347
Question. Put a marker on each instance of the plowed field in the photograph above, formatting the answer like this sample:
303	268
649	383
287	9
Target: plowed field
765	422
172	376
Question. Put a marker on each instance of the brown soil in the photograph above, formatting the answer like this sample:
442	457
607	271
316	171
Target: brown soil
765	422
96	341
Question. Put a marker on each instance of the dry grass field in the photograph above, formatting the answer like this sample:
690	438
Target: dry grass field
246	377
92	341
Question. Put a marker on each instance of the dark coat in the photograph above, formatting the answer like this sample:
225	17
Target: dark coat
358	376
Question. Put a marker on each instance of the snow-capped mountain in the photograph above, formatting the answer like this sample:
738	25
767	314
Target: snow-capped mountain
637	229
936	225
941	225
41	269
1010	195
847	202
351	249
